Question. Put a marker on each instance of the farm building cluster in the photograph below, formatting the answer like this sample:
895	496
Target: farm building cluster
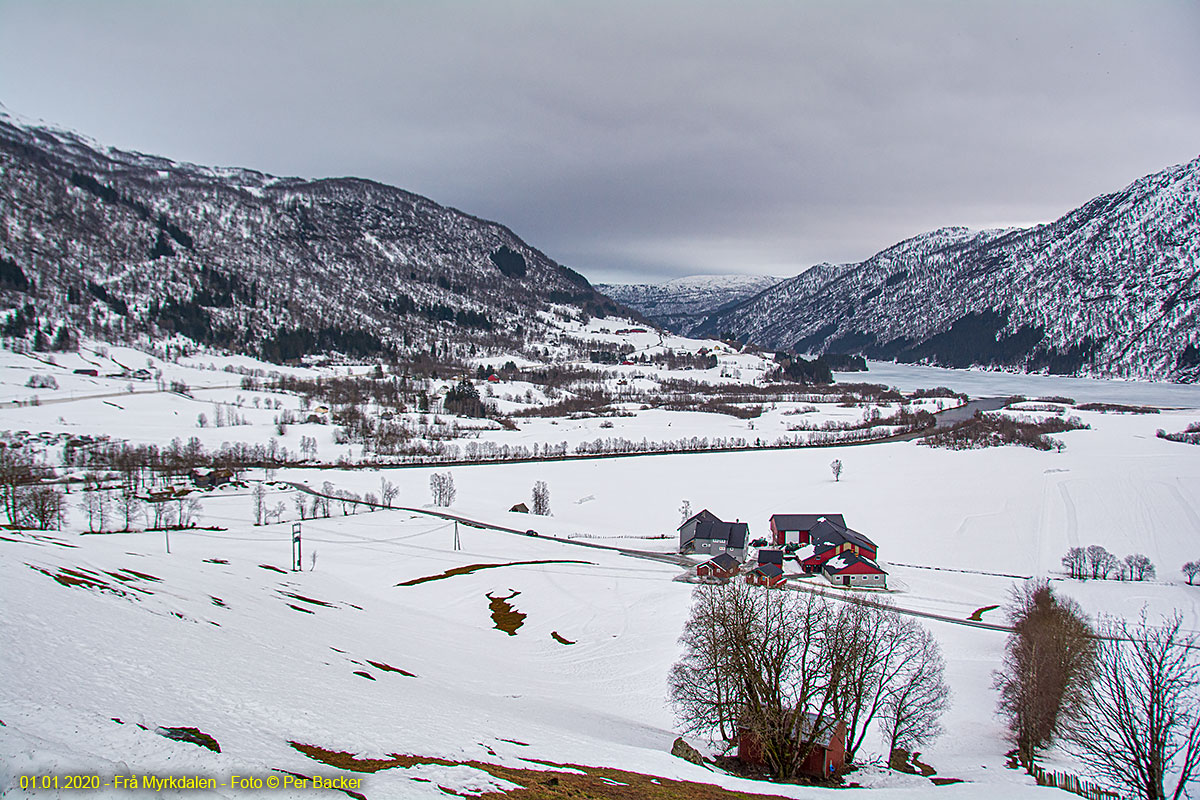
800	545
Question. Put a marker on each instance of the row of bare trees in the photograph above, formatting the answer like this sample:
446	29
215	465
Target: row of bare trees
1097	563
770	662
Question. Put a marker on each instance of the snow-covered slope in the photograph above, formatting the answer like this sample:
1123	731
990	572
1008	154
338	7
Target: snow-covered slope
118	244
683	303
1109	289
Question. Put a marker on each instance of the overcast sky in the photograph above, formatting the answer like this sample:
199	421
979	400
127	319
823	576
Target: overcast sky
646	140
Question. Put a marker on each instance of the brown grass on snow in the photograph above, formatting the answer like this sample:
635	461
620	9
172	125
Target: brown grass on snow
467	570
504	615
596	783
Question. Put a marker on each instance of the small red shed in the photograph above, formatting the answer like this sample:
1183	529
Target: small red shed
723	567
828	755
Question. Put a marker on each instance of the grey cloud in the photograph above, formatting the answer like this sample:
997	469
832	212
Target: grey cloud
643	141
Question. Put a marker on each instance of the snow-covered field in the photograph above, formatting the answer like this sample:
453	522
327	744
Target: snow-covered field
247	654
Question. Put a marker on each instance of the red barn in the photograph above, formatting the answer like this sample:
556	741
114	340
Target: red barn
787	528
828	755
848	569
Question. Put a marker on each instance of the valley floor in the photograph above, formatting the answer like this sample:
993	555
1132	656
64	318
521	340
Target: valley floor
518	650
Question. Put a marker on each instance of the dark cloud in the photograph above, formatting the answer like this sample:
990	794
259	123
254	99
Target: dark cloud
643	141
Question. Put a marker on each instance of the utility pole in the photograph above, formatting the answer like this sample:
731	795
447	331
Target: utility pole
457	543
167	535
297	566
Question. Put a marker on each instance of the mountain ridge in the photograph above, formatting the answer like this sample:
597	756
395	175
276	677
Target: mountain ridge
122	244
1110	290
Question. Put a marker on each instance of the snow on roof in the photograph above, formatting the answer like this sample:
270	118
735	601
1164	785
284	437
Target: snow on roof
804	522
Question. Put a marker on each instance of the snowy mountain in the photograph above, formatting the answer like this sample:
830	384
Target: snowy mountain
683	303
120	244
1110	289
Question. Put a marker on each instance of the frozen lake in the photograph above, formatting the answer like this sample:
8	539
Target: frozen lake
979	383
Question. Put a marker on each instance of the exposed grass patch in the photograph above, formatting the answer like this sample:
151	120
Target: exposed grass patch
304	599
558	638
360	673
191	735
216	601
273	569
389	668
298	608
215	561
904	761
467	570
82	579
505	617
594	783
977	614
347	792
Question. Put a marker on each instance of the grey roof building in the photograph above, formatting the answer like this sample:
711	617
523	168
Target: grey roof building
707	534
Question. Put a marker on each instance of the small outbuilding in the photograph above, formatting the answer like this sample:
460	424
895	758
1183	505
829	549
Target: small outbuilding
828	755
769	575
721	567
520	508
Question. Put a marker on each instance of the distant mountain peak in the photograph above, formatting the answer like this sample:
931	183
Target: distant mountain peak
1111	289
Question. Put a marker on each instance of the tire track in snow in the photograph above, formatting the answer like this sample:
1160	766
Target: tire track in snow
1072	515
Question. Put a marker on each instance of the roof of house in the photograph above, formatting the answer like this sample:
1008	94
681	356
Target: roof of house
768	570
848	563
701	516
732	533
723	561
770	555
803	522
827	531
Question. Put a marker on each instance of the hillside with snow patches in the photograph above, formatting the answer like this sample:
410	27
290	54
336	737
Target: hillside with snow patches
1110	289
132	247
682	304
476	660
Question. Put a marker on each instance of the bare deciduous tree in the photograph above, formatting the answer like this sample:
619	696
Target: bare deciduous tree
1138	727
130	505
918	697
1100	561
16	471
45	506
1047	661
541	499
1138	567
441	485
1075	562
387	491
91	503
765	661
326	496
187	508
1190	570
836	467
260	503
891	663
